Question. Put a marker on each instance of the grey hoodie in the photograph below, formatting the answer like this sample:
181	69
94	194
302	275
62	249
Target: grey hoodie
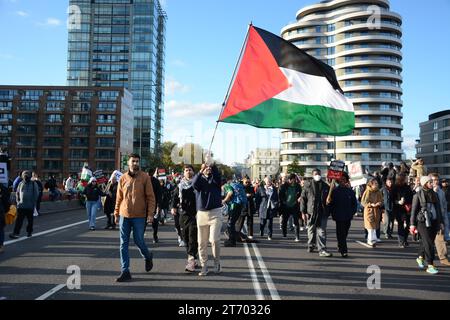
27	195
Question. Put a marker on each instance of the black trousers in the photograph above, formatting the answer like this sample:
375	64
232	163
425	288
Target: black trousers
189	233
38	203
155	225
427	238
403	231
246	214
286	213
111	219
342	229
234	214
176	219
21	214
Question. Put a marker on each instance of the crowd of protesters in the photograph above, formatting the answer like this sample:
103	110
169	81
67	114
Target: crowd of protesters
402	197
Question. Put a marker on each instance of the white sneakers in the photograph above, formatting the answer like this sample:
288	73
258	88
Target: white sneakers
205	271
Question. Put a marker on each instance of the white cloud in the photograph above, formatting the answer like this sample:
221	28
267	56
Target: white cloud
51	22
184	109
175	87
22	13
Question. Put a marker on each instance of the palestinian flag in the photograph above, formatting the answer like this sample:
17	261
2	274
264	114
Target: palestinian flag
277	85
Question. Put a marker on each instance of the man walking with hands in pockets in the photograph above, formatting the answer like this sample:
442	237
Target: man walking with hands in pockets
134	205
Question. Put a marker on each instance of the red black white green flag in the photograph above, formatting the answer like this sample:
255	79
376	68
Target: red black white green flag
277	85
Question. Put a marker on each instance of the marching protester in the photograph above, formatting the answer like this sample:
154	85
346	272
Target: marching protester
17	181
446	190
26	198
403	196
388	206
267	205
249	210
372	201
157	191
426	221
38	182
236	200
388	172
5	203
314	197
166	197
184	205
110	202
290	192
93	195
135	206
343	207
440	243
207	186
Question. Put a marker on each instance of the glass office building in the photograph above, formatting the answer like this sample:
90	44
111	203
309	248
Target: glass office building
121	43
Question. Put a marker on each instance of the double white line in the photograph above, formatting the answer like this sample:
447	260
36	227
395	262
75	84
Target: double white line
268	279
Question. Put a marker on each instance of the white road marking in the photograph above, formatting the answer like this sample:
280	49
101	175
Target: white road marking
51	292
270	285
43	233
251	266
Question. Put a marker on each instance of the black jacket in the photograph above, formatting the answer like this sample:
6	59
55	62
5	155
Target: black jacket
110	202
400	192
388	199
251	206
188	204
93	193
344	205
315	204
419	202
157	190
283	195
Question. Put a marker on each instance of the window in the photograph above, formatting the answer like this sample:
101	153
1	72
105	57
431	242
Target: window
5	117
26	164
26	129
105	154
435	126
53	130
79	130
26	118
435	137
53	153
26	153
79	154
436	148
80	118
106	118
52	165
106	130
54	118
53	142
106	142
79	142
26	141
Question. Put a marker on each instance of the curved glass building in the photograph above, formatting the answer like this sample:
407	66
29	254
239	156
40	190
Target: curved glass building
361	39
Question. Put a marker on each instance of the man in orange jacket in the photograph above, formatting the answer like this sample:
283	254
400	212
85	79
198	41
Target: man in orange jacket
134	205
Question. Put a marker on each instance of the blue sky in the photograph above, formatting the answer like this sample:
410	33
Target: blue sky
203	42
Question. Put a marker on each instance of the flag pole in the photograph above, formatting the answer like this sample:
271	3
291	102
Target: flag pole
229	88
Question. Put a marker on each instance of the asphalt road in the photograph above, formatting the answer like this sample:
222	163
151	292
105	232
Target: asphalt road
280	269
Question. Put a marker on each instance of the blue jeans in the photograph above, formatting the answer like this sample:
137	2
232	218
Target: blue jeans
137	225
91	207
